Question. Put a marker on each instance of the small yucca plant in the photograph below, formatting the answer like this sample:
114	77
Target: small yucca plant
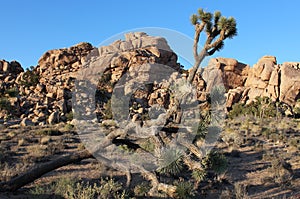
170	161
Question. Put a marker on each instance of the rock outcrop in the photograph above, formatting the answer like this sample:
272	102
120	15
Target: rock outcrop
43	94
138	58
45	91
279	82
8	74
289	82
221	71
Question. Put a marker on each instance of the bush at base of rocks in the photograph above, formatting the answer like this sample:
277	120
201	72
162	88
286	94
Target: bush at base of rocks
262	107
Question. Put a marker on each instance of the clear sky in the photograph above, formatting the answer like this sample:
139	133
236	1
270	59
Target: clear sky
31	27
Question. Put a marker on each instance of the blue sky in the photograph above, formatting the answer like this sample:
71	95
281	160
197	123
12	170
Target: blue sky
31	27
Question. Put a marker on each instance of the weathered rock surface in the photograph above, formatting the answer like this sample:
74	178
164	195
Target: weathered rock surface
266	78
128	63
290	82
38	92
280	82
221	71
8	74
43	94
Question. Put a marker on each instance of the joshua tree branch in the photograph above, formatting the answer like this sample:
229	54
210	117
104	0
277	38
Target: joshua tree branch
198	29
215	25
217	42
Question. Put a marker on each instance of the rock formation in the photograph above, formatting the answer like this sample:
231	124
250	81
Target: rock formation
138	58
224	71
8	73
43	94
279	82
45	89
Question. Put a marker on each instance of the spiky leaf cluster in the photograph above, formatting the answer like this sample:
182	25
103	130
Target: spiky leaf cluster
199	175
217	162
170	161
215	24
184	190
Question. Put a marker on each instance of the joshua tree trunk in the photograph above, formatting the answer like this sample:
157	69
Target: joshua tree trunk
35	173
194	69
217	29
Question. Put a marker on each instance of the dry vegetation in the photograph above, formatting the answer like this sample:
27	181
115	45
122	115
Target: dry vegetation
261	155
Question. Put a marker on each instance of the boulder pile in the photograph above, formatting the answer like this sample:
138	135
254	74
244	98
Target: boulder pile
279	82
43	94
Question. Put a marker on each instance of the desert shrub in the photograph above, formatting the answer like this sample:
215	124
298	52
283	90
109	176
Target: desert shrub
297	112
218	162
267	108
108	111
55	147
8	171
268	156
71	188
268	132
69	116
12	92
69	127
232	137
240	191
5	104
295	142
199	174
148	145
262	107
49	131
104	80
30	77
281	171
142	189
237	109
111	189
184	190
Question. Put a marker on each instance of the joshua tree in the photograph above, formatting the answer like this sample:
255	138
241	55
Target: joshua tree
217	28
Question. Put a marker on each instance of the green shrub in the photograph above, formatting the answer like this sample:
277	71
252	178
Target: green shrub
12	92
262	107
49	131
108	111
218	162
148	145
69	116
72	189
5	104
199	174
142	189
267	132
297	112
30	78
295	142
69	127
184	190
111	190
